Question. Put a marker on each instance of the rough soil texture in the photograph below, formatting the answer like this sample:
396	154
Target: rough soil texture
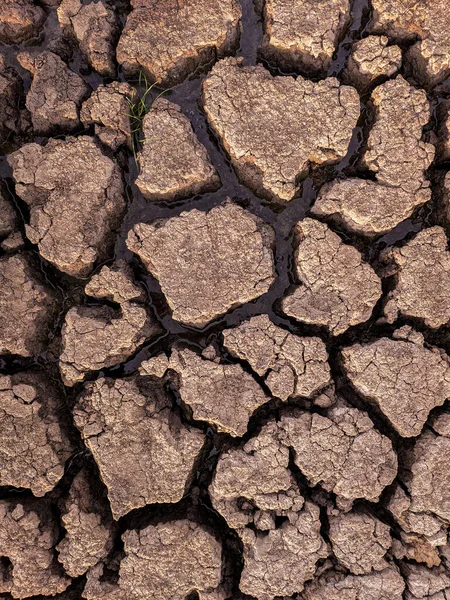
337	288
291	366
303	35
107	108
224	300
207	262
170	39
75	196
397	158
372	59
55	94
95	28
424	24
94	337
274	128
401	376
114	418
173	163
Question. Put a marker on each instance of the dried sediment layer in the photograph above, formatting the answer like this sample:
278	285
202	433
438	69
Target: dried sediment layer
34	443
337	288
143	451
207	262
55	95
169	40
397	157
291	365
167	561
406	21
401	376
303	35
108	110
20	20
371	59
422	279
95	27
75	196
27	307
275	128
28	534
173	163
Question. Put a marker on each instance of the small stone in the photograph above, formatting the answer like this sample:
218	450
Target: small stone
27	307
371	59
107	108
55	95
169	40
95	27
226	263
144	453
223	395
255	479
173	163
403	378
405	21
168	561
292	366
280	562
397	157
10	92
34	443
28	534
337	288
276	128
303	35
381	585
422	281
359	542
75	195
343	452
20	20
88	527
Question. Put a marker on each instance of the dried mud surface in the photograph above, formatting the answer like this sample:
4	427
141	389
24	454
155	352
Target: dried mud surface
224	300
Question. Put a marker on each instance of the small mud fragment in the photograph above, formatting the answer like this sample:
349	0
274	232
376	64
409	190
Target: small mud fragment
169	40
303	35
27	307
292	366
424	24
28	534
20	20
359	541
95	27
401	376
95	337
207	262
422	284
88	525
10	91
398	159
55	95
337	288
371	59
34	443
173	163
108	109
168	561
275	128
75	196
115	417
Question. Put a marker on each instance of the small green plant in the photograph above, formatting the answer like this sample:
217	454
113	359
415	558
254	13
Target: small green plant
140	104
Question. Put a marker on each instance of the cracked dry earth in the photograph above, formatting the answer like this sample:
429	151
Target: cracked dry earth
225	325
